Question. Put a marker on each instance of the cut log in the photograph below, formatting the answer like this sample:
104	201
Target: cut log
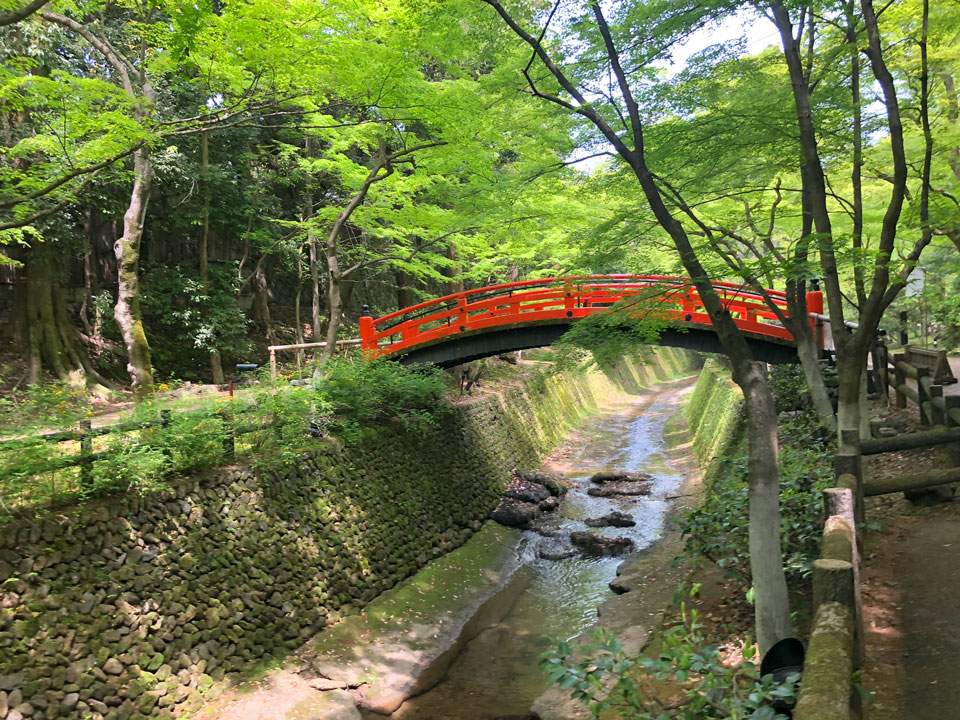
825	691
838	539
882	486
938	435
833	583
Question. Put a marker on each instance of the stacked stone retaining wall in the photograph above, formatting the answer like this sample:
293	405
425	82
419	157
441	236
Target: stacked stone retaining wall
140	607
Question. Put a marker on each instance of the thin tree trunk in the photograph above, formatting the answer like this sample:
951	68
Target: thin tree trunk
216	364
127	251
260	304
856	173
809	356
953	115
312	252
405	296
455	272
297	300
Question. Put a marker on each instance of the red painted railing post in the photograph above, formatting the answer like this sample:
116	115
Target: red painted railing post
569	302
462	314
367	330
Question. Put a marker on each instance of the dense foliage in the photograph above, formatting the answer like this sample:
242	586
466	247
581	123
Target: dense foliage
718	529
159	442
685	678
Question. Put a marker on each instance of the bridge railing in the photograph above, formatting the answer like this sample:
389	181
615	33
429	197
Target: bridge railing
564	299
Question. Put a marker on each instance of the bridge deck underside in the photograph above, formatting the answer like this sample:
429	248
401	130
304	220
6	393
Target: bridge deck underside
474	345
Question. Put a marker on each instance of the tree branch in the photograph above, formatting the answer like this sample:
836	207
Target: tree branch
15	16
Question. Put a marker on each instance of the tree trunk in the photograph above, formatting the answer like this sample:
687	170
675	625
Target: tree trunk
127	251
335	303
315	319
312	252
51	338
808	353
216	364
849	368
455	272
405	296
297	302
260	304
772	603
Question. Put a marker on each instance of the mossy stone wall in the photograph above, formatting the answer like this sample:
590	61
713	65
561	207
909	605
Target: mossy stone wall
139	607
713	414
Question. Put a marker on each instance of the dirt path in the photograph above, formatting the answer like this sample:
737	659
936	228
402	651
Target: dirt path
912	614
911	598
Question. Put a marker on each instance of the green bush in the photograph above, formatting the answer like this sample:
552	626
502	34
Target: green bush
718	529
361	394
611	684
132	464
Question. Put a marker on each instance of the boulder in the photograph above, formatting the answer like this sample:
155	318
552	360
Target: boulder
592	544
613	519
514	513
553	550
552	484
619	476
551	503
526	491
613	489
926	497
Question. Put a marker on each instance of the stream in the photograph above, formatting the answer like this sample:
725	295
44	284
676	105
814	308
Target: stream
496	674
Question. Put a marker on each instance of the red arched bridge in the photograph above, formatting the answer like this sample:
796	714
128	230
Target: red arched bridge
495	319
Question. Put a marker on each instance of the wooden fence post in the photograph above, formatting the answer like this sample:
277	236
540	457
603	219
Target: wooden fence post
937	410
899	379
86	450
880	362
165	425
923	395
229	439
952	402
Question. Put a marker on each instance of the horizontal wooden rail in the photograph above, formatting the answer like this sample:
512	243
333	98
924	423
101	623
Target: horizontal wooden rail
229	416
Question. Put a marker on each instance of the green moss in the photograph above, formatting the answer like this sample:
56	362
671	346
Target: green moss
713	414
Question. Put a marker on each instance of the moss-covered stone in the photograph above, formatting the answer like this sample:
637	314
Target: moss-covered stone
220	573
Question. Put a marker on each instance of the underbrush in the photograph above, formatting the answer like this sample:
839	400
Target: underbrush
684	677
718	529
272	424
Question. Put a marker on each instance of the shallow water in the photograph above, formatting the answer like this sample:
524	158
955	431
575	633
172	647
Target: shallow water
497	674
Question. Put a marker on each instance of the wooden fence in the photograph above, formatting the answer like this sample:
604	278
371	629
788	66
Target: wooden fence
835	649
75	449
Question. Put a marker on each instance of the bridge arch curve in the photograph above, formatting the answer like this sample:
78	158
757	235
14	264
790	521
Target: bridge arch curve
496	319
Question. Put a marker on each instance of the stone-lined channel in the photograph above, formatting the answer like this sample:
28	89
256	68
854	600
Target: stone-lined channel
496	674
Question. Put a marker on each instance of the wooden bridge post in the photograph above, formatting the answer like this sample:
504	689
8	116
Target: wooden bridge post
899	378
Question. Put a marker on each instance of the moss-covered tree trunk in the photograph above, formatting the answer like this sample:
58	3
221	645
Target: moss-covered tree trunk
48	334
127	251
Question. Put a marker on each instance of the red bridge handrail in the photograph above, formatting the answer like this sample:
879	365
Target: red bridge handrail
566	299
